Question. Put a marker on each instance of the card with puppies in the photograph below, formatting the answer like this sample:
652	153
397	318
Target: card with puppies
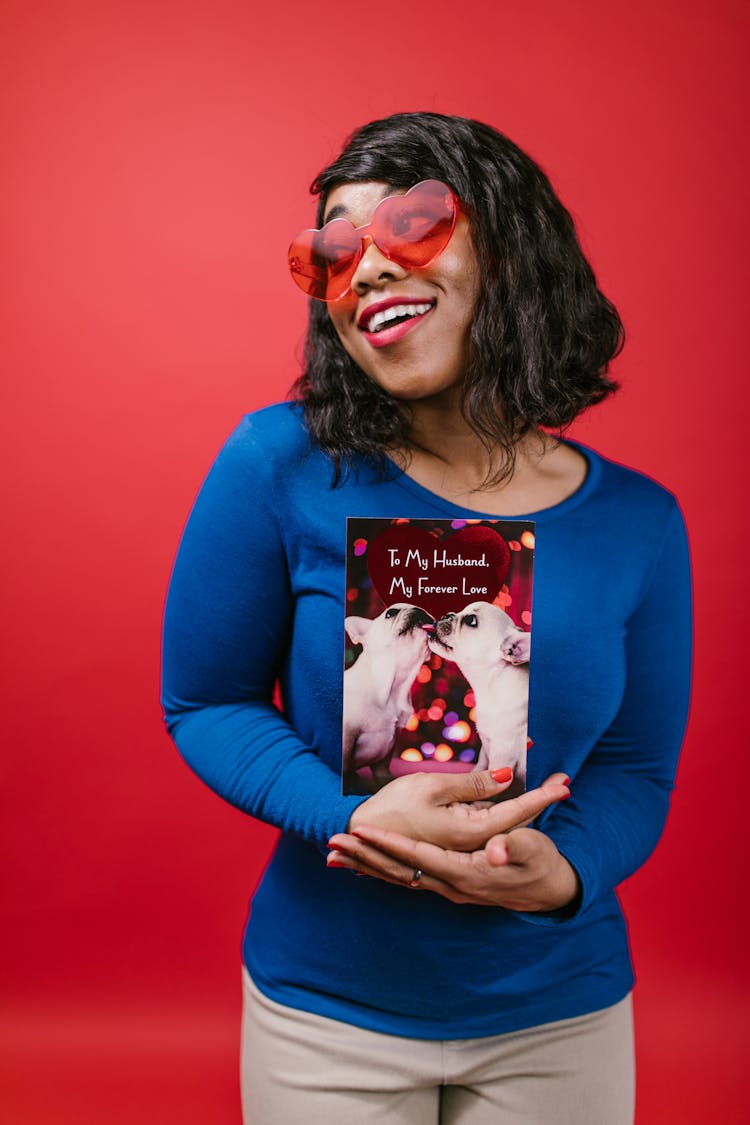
436	649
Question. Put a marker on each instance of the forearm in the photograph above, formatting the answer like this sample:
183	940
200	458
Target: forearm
250	756
228	623
609	827
620	796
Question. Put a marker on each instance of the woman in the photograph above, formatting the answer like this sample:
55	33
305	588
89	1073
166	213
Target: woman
481	973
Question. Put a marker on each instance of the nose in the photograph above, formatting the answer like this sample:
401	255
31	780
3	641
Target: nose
374	269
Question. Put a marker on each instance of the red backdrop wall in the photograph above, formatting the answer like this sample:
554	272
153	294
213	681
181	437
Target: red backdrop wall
155	163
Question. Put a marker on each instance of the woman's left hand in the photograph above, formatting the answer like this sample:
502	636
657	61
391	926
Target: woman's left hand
519	870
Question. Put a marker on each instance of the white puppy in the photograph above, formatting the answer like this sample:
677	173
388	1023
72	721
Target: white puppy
377	699
493	654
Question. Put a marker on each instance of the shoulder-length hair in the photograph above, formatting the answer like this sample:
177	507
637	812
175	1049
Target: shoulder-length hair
542	335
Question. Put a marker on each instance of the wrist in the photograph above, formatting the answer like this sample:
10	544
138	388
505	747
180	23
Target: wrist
356	817
565	896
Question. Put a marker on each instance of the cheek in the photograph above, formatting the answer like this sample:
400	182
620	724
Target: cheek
341	319
466	286
460	267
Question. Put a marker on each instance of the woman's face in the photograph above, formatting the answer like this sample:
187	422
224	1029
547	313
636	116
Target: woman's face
424	354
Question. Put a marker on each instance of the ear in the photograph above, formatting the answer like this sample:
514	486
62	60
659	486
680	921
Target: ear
357	629
516	647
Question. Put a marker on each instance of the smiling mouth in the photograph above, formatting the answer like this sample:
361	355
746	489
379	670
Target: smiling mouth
384	318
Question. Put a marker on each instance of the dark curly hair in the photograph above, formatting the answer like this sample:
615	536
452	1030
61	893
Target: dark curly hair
542	335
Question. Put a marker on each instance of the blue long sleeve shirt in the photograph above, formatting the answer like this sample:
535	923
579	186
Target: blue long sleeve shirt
257	595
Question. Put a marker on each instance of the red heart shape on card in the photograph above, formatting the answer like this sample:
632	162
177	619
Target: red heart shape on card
440	576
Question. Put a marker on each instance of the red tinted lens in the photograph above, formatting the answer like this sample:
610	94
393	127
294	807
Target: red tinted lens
413	229
410	229
322	262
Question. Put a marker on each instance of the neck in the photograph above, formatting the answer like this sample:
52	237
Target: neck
445	440
450	459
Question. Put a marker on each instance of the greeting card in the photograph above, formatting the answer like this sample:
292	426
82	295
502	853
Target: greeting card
437	648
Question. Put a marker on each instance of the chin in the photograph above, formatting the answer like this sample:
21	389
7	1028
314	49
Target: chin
421	388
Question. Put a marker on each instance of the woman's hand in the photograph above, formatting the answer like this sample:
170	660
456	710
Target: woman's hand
520	870
452	810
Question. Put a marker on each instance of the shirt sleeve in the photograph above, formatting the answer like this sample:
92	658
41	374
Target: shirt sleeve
227	624
620	796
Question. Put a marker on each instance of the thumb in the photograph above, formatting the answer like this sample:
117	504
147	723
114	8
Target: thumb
508	847
479	785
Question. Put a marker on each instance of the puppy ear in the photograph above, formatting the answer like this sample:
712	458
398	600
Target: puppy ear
516	647
357	629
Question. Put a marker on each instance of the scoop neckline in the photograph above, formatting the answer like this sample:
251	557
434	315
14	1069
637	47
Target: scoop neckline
542	515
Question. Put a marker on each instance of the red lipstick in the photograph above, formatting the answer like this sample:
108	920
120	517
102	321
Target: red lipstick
384	322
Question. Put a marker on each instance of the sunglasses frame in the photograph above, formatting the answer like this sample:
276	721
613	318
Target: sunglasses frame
297	244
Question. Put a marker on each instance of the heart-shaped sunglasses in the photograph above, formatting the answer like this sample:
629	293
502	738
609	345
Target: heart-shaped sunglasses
410	229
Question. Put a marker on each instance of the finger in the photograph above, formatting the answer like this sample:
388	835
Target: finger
355	853
425	883
559	778
364	859
449	866
404	876
470	787
358	867
522	810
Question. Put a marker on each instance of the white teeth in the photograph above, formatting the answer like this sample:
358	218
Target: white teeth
395	311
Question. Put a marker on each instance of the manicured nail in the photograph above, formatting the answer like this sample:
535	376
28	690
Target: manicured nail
335	863
566	781
504	774
565	796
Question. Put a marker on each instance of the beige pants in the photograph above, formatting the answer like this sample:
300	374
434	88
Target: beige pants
303	1069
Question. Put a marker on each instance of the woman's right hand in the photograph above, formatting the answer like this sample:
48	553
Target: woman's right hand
455	811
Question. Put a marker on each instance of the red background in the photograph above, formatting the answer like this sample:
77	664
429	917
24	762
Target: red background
155	158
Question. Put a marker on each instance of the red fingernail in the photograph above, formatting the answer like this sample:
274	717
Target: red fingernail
504	774
565	796
566	781
334	863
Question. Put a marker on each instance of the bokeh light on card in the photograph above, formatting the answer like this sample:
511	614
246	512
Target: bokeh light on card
458	732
